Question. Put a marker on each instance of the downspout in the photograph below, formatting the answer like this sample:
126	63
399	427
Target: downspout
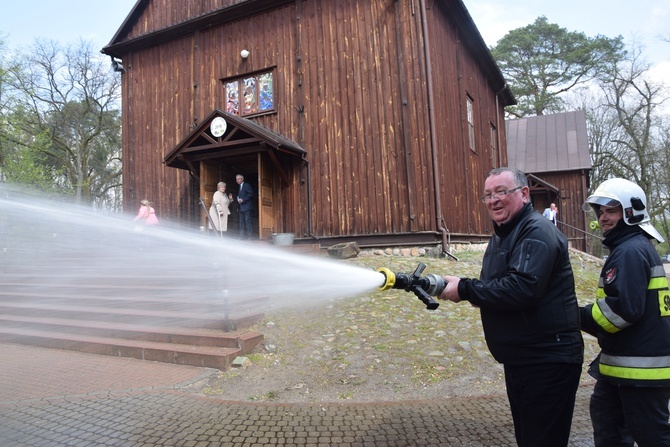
310	233
505	86
301	110
433	139
585	221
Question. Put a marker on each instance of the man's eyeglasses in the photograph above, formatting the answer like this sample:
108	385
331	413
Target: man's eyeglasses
498	195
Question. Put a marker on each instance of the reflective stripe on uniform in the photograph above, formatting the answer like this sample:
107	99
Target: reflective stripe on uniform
636	368
610	321
658	279
606	318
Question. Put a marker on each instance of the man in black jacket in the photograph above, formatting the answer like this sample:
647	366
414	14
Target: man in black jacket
245	197
529	311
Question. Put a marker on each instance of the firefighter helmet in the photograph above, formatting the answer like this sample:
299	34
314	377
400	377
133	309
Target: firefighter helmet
631	197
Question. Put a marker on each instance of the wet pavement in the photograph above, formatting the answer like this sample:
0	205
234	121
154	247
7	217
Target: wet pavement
50	397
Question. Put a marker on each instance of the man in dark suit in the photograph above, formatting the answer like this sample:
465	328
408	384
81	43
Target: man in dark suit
245	198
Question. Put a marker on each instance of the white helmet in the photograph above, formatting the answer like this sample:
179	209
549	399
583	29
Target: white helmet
631	197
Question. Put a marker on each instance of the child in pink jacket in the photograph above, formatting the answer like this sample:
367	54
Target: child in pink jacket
146	213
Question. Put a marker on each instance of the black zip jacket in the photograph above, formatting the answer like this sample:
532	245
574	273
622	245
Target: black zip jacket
526	294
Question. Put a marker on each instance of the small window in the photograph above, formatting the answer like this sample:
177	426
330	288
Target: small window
471	122
250	94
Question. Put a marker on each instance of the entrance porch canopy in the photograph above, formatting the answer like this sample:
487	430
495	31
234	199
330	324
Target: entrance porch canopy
240	137
537	184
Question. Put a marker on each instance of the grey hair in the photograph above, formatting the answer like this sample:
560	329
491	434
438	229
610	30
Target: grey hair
220	184
519	176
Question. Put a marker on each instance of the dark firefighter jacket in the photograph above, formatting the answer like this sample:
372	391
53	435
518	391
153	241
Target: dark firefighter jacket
526	294
630	316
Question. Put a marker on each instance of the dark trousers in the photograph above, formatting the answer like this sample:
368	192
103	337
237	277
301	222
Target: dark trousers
542	401
246	224
621	414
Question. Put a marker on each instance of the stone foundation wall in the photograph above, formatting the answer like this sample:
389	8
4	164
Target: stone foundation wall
431	251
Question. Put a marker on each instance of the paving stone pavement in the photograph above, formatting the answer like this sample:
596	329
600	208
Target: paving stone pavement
50	397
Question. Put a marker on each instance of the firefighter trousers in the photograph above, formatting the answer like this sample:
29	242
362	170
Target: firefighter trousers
622	415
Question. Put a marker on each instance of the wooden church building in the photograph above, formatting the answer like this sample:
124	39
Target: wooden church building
373	121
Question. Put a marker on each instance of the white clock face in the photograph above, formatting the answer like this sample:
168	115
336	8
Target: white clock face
218	126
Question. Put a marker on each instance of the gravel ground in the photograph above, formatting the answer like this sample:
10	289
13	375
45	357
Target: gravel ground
383	346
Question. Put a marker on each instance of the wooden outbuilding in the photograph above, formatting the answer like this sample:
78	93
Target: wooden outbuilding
554	151
373	121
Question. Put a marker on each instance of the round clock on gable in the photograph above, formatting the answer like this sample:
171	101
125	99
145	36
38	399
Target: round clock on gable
218	126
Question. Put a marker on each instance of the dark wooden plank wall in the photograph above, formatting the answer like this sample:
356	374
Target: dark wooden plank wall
357	68
159	14
352	118
463	171
415	148
159	87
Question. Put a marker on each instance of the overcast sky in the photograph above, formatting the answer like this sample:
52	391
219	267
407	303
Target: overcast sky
63	20
642	20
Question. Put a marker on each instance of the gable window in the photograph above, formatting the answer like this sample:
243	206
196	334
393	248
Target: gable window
250	94
470	104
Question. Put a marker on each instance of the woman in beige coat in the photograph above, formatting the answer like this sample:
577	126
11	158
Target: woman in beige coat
219	211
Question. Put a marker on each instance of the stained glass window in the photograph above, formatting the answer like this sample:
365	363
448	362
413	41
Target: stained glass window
233	97
265	92
251	94
250	103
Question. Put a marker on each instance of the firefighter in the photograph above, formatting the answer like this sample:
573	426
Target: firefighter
631	320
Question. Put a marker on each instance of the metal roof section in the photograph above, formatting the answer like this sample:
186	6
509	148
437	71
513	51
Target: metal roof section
548	143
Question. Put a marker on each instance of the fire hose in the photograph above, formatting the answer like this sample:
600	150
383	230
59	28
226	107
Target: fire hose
424	287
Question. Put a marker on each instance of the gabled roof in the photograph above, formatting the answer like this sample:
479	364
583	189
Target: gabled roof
120	45
548	143
535	183
242	136
462	19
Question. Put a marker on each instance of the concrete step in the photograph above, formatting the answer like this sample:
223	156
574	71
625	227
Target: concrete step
305	249
139	300
165	318
205	356
169	319
109	282
245	340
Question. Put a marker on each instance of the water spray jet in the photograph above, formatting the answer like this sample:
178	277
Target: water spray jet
54	248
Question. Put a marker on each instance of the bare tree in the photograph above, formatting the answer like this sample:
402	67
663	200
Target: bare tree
68	101
629	136
633	142
661	196
635	101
